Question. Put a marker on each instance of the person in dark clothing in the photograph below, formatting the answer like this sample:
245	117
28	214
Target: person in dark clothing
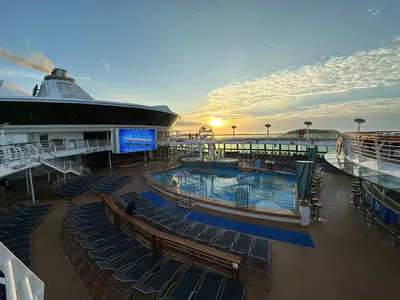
130	208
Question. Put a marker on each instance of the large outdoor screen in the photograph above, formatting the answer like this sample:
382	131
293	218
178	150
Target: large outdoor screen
128	140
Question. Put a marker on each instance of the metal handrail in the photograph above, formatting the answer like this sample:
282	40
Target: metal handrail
361	148
316	136
20	281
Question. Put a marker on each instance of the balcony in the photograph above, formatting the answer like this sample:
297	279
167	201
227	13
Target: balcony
18	157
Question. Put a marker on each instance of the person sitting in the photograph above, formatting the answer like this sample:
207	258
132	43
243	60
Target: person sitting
130	208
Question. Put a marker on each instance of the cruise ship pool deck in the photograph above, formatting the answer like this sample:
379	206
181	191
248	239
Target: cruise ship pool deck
346	260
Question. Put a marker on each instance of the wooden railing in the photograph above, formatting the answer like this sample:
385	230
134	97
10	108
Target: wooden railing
171	245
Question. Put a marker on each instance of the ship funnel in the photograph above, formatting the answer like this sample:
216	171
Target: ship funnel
60	72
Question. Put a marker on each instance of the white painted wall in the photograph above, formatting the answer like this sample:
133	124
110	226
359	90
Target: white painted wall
15	138
34	137
66	135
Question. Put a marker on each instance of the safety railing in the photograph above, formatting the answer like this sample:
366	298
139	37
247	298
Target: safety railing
391	200
19	280
362	147
273	136
12	152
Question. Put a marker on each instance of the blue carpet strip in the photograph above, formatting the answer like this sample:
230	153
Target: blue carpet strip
160	202
289	236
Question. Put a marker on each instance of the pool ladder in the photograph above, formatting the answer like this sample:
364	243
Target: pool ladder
185	202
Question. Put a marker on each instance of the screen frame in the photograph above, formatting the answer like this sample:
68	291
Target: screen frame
115	139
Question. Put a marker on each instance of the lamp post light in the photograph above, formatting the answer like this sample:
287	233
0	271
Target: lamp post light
233	130
308	124
268	126
359	122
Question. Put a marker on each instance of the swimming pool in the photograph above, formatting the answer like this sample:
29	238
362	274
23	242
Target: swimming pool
265	189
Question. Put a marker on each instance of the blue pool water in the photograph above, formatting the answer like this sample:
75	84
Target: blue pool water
266	189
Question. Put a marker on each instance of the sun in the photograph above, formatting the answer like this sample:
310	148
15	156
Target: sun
217	122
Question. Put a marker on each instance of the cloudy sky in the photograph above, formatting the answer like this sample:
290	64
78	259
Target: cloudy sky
224	62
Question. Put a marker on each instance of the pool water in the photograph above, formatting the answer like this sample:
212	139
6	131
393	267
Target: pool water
265	189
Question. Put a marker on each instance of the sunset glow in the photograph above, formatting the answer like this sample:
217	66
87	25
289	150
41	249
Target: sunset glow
217	122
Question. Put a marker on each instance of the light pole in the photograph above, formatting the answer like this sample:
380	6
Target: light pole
308	124
359	122
233	130
268	127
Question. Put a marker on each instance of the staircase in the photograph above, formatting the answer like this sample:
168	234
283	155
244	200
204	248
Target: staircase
15	158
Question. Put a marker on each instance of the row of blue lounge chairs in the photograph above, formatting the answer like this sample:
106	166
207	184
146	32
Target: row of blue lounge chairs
114	266
76	186
110	183
255	252
16	223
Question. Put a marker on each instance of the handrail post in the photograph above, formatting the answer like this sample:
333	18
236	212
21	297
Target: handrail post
98	145
10	281
27	289
87	144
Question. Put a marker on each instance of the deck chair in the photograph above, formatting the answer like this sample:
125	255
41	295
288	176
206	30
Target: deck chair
186	286
178	227
195	231
226	241
156	283
233	290
121	283
209	288
242	245
208	236
260	256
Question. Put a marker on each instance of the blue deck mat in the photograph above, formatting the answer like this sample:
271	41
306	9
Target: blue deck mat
289	236
161	202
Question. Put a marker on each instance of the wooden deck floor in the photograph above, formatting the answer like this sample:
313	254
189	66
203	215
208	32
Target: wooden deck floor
50	264
351	260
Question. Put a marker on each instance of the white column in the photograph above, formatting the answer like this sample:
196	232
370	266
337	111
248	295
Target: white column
27	182
211	151
31	185
2	137
201	152
109	159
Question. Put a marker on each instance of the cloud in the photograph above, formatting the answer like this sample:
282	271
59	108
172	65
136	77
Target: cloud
28	41
361	70
106	65
84	78
12	89
373	11
348	108
36	61
273	44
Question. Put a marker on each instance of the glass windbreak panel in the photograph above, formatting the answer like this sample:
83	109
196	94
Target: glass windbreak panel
284	147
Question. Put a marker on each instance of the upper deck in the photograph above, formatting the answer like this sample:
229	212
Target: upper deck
373	156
